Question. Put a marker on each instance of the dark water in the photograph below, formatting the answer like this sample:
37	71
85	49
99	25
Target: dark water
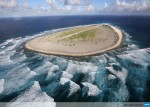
137	26
120	75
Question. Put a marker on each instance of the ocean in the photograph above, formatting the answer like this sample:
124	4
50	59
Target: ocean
137	26
120	75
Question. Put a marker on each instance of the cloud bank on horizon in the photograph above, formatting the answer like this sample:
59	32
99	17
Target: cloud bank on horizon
21	8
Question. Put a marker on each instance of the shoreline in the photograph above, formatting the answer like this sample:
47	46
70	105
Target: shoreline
71	54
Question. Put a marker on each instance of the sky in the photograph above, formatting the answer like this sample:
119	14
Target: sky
20	8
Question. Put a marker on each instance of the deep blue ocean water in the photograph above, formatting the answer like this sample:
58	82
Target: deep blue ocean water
137	26
120	75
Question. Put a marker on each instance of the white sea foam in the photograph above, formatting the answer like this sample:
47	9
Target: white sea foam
127	36
73	86
33	73
117	64
20	58
66	75
3	47
62	63
52	72
31	104
6	42
102	59
2	52
64	80
111	77
6	53
79	68
82	67
5	59
111	58
132	46
71	69
11	47
119	74
43	68
121	94
93	89
91	77
2	85
35	96
140	56
20	73
147	49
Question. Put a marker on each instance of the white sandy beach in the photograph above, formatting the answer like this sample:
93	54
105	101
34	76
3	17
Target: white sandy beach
106	38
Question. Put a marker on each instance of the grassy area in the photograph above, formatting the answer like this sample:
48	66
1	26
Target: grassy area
82	36
74	30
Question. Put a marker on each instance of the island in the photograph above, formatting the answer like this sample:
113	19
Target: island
78	41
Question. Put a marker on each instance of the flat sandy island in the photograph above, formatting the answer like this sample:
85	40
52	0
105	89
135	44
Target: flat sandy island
78	41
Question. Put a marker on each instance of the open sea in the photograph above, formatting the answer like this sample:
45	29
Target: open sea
120	75
137	26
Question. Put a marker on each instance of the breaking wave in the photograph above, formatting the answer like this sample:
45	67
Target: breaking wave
116	76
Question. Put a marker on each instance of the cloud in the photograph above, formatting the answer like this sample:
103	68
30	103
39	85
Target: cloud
54	7
65	7
90	8
25	4
77	2
128	6
13	8
78	6
105	5
72	2
52	3
8	3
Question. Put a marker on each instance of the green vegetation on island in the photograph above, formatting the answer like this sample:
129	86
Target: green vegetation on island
89	34
74	30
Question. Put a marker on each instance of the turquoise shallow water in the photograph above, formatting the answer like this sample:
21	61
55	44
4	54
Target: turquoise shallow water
116	76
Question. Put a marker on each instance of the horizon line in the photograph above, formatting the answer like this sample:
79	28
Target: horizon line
73	15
